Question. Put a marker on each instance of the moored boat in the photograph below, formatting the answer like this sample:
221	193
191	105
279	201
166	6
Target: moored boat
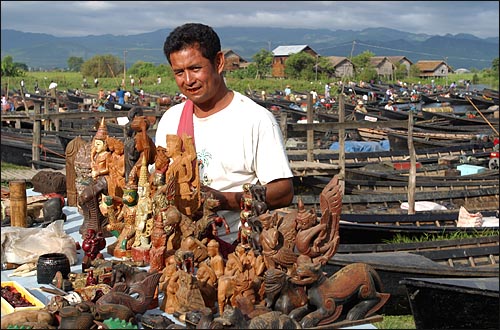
454	303
394	266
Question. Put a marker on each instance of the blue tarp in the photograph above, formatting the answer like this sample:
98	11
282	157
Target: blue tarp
362	146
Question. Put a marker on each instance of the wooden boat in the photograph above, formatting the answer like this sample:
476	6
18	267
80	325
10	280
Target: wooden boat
394	266
360	159
457	303
17	149
370	228
432	245
399	141
455	119
399	114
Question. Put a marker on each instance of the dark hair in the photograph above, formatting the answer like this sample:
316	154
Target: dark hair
191	34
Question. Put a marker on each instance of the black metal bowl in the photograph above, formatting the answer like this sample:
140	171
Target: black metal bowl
49	264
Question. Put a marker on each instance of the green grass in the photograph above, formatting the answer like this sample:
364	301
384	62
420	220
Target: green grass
9	166
426	237
73	80
396	322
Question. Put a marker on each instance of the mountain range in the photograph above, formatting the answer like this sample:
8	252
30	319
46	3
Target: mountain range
45	52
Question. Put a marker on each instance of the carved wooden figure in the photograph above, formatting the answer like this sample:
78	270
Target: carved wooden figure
144	145
116	181
127	213
90	197
184	168
71	152
320	240
92	245
143	219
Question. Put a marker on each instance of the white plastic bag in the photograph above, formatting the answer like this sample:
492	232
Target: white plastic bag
22	245
424	206
466	219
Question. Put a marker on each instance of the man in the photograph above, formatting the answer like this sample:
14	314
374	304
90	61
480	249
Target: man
236	140
360	107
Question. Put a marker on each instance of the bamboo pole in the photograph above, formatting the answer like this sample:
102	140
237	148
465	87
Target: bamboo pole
310	132
37	136
486	120
341	140
413	168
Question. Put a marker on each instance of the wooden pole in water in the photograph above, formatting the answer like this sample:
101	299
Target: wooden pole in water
310	132
413	168
341	139
485	119
18	203
37	137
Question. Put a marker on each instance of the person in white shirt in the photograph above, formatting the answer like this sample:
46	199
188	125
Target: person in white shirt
52	85
389	106
237	141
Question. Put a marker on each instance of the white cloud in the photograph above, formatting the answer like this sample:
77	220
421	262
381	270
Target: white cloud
82	18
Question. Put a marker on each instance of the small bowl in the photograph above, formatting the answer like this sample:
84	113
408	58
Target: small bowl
49	264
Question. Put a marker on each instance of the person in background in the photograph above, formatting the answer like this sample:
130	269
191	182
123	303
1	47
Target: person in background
120	94
360	107
96	82
158	80
237	141
288	91
52	88
22	86
327	91
389	106
127	96
5	105
101	95
314	96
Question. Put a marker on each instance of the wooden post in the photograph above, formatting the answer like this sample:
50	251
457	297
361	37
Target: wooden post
413	168
341	139
310	132
18	203
37	136
283	125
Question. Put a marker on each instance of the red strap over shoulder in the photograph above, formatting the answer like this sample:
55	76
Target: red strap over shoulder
186	122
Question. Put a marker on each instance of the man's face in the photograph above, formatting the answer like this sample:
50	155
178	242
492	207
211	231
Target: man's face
196	76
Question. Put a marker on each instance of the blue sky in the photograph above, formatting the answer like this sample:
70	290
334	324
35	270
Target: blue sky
83	18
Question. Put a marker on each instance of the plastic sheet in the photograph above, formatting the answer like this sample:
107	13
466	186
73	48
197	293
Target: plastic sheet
23	245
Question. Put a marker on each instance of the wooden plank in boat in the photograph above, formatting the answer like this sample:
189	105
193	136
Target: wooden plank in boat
305	168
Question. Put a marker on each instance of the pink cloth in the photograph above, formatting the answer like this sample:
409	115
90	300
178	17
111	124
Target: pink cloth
186	122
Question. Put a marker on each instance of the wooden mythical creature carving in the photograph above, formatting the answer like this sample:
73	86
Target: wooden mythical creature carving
281	294
320	240
139	297
234	318
277	251
206	226
356	285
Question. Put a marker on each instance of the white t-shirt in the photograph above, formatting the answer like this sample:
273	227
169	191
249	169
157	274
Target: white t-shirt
239	144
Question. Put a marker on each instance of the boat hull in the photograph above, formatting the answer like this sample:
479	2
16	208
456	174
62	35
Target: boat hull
449	297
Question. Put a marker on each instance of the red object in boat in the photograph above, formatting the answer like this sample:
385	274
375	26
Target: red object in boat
405	165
